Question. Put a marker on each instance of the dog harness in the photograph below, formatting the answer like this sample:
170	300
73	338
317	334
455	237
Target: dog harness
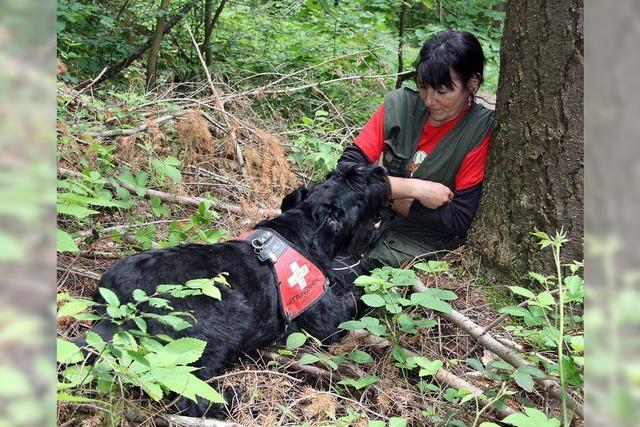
301	283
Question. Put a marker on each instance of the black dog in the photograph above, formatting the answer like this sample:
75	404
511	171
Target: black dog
336	215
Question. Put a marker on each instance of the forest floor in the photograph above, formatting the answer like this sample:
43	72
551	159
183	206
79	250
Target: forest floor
226	154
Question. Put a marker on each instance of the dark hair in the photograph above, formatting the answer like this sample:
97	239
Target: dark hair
449	50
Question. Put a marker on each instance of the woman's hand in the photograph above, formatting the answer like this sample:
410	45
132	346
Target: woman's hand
430	194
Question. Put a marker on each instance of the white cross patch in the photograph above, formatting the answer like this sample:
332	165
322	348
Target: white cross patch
299	273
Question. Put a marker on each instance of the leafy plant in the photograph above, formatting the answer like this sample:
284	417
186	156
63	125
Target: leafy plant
133	357
311	148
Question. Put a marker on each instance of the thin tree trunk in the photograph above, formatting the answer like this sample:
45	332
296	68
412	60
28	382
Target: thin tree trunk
535	174
161	23
401	25
211	23
117	69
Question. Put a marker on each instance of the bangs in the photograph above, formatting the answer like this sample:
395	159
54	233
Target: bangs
435	71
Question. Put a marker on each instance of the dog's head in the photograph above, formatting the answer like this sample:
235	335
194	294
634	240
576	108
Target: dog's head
345	206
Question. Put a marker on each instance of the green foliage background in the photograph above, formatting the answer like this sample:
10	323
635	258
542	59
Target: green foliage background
266	37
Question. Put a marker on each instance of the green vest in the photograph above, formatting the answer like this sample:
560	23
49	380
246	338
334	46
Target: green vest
401	239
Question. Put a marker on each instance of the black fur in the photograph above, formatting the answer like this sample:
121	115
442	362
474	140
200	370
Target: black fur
335	215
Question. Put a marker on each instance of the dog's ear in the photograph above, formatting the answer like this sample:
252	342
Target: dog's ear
292	199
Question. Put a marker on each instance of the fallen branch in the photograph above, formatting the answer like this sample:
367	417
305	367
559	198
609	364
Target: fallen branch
314	371
116	132
478	333
176	198
443	376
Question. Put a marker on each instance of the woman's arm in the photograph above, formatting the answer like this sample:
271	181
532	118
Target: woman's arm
430	194
452	218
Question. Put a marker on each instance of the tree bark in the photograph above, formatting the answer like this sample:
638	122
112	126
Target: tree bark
534	175
208	31
116	69
161	23
401	25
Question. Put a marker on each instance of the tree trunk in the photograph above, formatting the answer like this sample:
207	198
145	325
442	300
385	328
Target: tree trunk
210	25
161	23
116	69
534	177
402	22
206	48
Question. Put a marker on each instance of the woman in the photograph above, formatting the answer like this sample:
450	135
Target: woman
434	144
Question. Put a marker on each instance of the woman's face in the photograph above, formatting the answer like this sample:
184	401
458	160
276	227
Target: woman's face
443	103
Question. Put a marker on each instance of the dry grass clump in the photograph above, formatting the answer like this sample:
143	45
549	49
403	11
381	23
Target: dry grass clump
194	137
269	167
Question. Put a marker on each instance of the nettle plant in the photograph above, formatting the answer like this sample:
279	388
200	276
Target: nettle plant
396	315
553	319
156	364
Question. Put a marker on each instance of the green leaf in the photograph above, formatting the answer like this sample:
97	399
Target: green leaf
407	324
308	359
160	303
442	294
399	354
433	266
153	390
489	425
430	302
141	324
167	288
184	383
115	312
64	242
212	291
430	369
296	340
109	296
67	352
397	422
577	343
546	299
368	280
522	291
538	277
187	350
73	308
524	380
533	418
77	211
359	383
351	325
373	300
178	324
475	364
531	370
515	311
359	356
139	295
94	340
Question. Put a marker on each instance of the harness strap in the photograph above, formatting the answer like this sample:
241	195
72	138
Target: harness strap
301	283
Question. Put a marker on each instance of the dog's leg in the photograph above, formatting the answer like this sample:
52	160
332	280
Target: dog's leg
322	320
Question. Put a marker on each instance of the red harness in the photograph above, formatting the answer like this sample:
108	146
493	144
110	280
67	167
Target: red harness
301	282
